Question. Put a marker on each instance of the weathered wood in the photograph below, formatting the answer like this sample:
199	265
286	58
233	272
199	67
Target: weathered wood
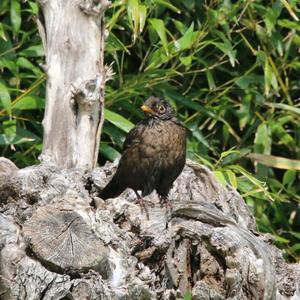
73	38
206	245
64	241
7	167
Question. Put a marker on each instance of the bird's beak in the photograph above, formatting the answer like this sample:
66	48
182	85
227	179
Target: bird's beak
147	109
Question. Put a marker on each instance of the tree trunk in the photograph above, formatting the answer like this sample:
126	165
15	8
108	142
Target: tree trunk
60	241
73	36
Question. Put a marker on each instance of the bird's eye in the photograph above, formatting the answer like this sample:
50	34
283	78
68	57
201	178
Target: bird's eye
161	109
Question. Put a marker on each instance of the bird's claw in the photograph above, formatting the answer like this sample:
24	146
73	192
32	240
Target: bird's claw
143	204
164	201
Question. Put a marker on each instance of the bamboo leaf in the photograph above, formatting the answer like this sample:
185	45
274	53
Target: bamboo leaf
220	177
33	51
30	102
142	17
118	120
263	141
25	63
289	177
168	5
289	24
134	17
15	15
109	152
114	44
2	33
159	26
283	106
186	40
232	178
5	97
276	161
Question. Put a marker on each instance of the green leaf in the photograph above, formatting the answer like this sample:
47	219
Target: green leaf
225	47
10	64
5	140
118	120
270	78
279	131
220	177
270	19
2	33
263	141
232	178
132	11
26	64
283	106
33	51
114	44
168	5
30	102
289	24
14	135
15	15
116	135
180	26
186	61
159	26
186	40
158	58
14	140
295	234
5	97
229	152
210	80
34	7
256	182
142	17
295	248
109	152
289	177
276	161
10	127
282	240
262	144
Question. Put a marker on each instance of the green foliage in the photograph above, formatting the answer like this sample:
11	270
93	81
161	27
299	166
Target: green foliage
21	90
230	68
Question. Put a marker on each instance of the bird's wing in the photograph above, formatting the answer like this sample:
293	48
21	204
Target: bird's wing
133	136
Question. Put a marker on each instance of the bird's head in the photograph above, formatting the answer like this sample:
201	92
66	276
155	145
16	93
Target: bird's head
158	108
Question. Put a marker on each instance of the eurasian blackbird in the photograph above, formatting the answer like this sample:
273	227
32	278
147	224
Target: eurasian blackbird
154	154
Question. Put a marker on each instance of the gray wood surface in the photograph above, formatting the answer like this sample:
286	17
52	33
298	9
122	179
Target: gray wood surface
73	36
59	239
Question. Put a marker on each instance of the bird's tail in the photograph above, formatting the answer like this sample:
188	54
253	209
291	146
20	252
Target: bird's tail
112	189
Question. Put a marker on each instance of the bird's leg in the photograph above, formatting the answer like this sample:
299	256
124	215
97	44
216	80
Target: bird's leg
164	200
142	204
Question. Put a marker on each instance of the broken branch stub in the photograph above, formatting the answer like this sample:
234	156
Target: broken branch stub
73	37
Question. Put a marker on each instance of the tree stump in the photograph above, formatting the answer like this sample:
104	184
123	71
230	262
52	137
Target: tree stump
59	240
63	241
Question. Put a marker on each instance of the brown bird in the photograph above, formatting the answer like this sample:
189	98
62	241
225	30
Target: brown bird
154	154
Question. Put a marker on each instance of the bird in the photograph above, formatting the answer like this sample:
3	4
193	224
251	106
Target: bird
154	155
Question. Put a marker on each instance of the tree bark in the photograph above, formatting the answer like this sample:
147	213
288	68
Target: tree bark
73	36
60	241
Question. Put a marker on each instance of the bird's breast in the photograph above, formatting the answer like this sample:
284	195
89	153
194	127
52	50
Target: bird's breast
164	140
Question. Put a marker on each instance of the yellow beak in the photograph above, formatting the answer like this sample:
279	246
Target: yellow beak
147	109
